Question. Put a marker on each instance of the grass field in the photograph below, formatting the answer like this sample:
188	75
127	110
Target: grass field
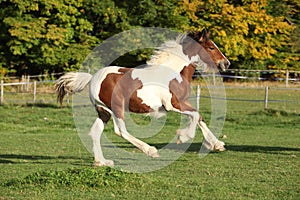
42	157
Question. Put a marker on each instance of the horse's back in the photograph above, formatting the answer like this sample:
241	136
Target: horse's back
97	80
160	75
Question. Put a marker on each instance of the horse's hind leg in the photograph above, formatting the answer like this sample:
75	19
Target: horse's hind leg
104	115
144	147
95	133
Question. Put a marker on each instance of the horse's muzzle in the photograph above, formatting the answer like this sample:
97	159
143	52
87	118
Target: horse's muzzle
223	65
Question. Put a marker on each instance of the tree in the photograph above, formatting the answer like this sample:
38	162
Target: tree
290	9
41	36
107	18
245	30
110	17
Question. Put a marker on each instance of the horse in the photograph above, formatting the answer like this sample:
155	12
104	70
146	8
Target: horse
162	85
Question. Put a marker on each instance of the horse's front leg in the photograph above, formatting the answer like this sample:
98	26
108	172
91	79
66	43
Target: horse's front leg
188	133
184	107
210	141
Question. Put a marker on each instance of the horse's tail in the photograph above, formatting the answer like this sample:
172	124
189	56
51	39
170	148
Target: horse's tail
71	82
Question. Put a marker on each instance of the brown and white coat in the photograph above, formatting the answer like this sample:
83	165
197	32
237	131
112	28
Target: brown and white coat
162	85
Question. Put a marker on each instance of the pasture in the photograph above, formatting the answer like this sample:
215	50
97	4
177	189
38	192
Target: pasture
42	157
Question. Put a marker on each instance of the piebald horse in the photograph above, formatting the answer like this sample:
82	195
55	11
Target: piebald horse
163	84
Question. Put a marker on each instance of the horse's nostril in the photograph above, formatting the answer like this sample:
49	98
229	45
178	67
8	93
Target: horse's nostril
227	64
223	65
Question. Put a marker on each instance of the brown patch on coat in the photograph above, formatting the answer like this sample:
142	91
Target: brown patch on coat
119	93
181	90
103	114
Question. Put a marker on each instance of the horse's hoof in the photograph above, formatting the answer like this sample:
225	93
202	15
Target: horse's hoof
220	149
152	152
178	132
178	141
182	139
108	163
219	146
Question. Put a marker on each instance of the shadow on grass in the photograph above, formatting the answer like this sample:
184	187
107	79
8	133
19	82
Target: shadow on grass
12	158
261	149
195	147
275	113
171	146
39	105
42	105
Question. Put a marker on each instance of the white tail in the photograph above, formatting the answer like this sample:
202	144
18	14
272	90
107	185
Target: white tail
71	82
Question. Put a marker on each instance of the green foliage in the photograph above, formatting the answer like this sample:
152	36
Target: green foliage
57	35
91	178
107	18
45	35
245	30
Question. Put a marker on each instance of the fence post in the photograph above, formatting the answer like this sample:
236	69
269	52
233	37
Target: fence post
198	92
28	83
68	99
34	91
266	97
2	92
287	78
22	86
214	78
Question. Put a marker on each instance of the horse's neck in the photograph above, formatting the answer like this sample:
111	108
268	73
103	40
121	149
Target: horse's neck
187	72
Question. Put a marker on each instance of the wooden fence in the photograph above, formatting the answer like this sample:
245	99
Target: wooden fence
25	84
29	88
285	76
34	94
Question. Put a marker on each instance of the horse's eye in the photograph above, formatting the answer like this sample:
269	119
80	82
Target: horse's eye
212	48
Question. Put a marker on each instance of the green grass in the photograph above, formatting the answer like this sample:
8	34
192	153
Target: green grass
42	157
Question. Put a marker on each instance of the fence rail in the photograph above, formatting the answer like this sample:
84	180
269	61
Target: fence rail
34	95
259	75
236	74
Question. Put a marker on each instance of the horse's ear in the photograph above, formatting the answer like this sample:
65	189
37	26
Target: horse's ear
204	35
198	35
194	34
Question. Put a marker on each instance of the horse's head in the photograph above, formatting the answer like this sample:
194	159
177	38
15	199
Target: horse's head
211	53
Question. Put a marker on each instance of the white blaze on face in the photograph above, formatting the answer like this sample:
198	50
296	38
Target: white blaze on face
221	54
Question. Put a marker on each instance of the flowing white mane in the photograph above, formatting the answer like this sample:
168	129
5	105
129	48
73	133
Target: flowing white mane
170	54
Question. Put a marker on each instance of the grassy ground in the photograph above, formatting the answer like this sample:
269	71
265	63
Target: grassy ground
41	157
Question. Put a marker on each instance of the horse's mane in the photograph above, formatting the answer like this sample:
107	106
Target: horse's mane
169	49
